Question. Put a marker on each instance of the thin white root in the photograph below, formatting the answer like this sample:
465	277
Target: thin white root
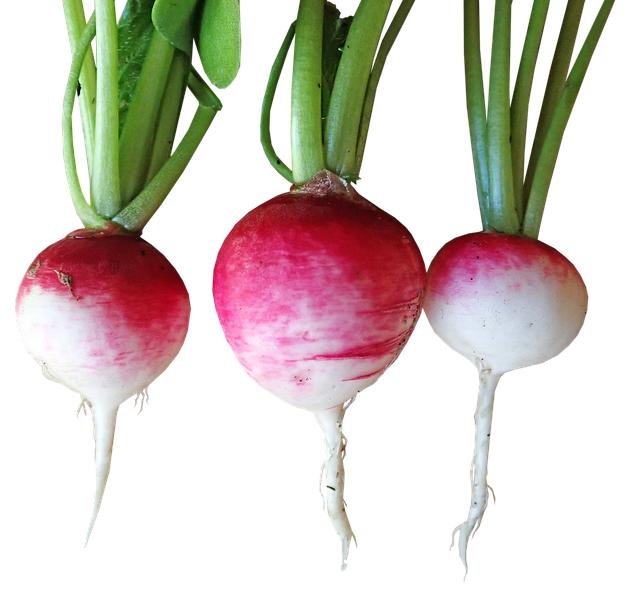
104	427
333	474
82	408
144	397
479	465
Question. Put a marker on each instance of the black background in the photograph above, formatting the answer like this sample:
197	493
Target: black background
219	476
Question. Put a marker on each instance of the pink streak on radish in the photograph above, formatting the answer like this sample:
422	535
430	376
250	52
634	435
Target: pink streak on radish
317	294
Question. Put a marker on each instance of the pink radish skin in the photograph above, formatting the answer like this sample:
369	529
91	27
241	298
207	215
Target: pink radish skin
317	291
317	294
503	302
104	314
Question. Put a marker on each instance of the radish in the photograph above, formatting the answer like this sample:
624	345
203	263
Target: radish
102	311
502	298
318	290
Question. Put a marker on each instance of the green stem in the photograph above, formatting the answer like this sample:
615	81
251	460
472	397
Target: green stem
367	107
267	102
87	215
307	152
136	139
350	85
135	215
555	84
105	183
549	152
476	108
169	112
521	96
503	217
75	21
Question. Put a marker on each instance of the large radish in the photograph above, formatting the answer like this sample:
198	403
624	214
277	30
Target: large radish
318	291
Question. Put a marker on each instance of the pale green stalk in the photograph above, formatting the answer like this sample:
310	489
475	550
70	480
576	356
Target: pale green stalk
503	217
521	96
476	107
267	102
105	180
350	86
75	20
135	215
307	151
85	212
136	138
382	56
555	84
549	152
169	113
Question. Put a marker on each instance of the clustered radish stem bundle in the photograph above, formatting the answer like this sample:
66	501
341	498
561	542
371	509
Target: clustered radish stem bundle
102	311
500	297
318	290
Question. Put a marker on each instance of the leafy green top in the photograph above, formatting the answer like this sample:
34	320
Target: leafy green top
130	123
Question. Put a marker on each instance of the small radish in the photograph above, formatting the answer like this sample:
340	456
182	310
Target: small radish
318	290
102	311
501	298
503	302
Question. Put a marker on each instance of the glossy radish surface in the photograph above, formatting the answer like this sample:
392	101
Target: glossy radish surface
317	295
104	314
504	301
317	291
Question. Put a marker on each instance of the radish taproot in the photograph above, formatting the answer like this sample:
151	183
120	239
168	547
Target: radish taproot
318	290
502	298
102	311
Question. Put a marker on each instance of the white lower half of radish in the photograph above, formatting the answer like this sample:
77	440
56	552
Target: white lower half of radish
90	347
503	302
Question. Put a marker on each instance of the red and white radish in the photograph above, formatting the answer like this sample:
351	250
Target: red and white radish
104	314
503	302
102	311
318	291
501	298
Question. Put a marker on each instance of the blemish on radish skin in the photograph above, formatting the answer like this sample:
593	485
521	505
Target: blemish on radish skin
65	279
33	269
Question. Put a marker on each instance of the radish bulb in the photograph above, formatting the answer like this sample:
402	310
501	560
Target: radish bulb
500	297
318	291
503	302
104	314
102	311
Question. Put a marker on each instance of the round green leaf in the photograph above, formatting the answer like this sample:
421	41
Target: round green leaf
218	40
174	21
